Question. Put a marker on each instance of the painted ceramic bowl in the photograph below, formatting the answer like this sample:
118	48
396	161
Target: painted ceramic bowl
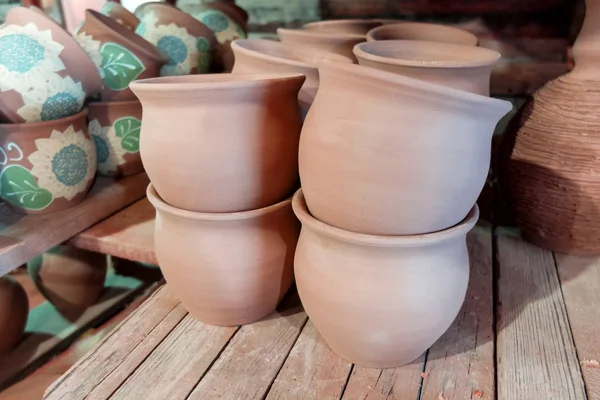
422	31
115	127
14	308
344	26
227	269
120	55
120	14
48	166
321	42
187	42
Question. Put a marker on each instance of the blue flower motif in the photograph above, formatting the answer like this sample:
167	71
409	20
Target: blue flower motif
70	165
20	53
174	48
102	149
60	105
215	20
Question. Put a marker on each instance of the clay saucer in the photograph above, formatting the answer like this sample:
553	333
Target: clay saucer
422	31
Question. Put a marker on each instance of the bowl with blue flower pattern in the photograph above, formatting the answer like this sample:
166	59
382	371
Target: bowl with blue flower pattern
46	166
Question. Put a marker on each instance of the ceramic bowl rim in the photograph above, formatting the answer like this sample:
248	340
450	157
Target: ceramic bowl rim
161	205
306	218
46	124
390	26
336	22
319	35
237	45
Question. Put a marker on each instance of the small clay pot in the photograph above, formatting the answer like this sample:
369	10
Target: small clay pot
46	166
120	55
227	269
14	309
321	42
232	143
344	26
115	127
120	14
380	301
457	66
188	43
422	31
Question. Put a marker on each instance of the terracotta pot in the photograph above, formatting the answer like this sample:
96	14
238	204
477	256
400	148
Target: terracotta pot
380	301
187	43
227	269
46	166
322	42
120	14
232	143
115	127
552	151
385	154
422	31
120	55
344	26
233	11
457	66
14	308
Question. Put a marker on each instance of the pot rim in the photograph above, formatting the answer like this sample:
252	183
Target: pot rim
473	39
478	56
314	34
161	205
344	21
11	127
111	104
306	218
238	45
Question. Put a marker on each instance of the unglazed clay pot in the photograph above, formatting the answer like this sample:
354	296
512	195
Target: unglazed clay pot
120	14
232	142
46	166
321	42
457	66
187	42
344	26
14	308
230	268
422	31
120	55
380	301
385	154
115	127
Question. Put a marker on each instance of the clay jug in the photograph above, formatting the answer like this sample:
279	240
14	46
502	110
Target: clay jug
380	301
232	142
14	308
321	42
385	154
552	153
422	31
345	26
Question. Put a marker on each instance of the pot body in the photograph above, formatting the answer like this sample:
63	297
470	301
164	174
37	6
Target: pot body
321	43
345	26
14	308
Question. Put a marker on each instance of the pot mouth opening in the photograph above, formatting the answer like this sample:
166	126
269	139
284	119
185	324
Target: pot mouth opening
269	50
44	124
318	34
420	53
422	31
304	215
161	205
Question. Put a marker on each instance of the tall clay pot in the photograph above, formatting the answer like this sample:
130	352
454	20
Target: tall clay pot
14	308
553	151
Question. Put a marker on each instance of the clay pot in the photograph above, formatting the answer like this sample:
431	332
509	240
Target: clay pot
120	55
232	142
115	127
46	166
380	301
227	269
120	14
385	154
344	26
233	11
187	43
14	308
457	66
422	31
321	42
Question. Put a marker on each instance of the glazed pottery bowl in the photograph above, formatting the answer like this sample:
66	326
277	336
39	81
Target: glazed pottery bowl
344	26
14	308
115	127
422	31
457	66
380	301
385	154
120	55
232	142
120	14
187	42
227	269
321	42
48	166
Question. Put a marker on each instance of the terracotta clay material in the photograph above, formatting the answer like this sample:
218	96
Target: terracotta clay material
120	14
385	154
422	31
233	11
232	142
227	269
321	42
46	166
120	55
344	26
14	308
457	66
115	127
380	301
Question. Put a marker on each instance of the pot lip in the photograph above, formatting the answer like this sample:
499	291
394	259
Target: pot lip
473	39
111	104
482	57
10	127
314	34
238	45
462	228
161	205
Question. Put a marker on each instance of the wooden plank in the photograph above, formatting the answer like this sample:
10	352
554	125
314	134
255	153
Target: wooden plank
128	234
311	371
23	237
251	361
580	280
536	357
461	364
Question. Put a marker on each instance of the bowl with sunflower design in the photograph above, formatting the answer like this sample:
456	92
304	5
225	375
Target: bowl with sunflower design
187	42
115	128
46	166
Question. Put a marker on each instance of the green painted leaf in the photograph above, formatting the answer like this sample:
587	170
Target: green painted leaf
18	186
128	129
120	66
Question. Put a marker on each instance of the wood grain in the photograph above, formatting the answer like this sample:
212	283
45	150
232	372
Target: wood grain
536	358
